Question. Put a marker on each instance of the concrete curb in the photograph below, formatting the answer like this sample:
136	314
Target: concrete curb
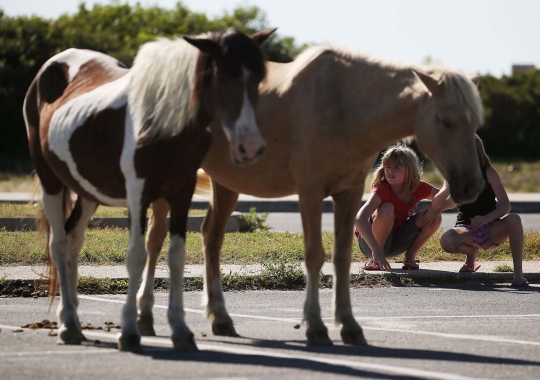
193	223
434	271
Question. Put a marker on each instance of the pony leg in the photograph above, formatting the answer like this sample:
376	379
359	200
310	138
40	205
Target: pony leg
70	327
75	227
182	337
311	212
157	231
130	339
345	207
221	206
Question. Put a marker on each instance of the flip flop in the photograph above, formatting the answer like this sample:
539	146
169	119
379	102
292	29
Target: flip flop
523	284
370	265
411	265
467	269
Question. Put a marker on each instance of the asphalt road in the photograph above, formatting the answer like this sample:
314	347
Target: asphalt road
291	222
414	332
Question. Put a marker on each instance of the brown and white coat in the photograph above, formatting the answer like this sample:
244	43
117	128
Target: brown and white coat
126	137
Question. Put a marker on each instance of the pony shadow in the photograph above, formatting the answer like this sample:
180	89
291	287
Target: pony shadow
379	352
216	357
266	361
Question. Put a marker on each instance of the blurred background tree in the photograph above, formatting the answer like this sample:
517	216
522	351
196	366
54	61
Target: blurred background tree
26	43
511	103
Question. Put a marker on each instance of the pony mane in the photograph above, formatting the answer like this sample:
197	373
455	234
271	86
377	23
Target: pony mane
163	77
461	89
457	86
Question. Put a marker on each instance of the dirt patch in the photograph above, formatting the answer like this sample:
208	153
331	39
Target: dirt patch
44	324
52	325
23	288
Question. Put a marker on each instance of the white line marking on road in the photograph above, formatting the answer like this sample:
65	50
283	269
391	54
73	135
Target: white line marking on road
487	338
60	352
451	316
199	311
331	325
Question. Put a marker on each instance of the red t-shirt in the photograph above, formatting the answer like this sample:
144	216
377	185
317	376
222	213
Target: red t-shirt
402	211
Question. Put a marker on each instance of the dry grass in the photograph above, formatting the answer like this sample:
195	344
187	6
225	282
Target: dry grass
13	183
517	177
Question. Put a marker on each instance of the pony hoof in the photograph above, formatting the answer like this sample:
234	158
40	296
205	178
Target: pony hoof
129	343
318	338
146	326
354	337
69	336
185	343
224	329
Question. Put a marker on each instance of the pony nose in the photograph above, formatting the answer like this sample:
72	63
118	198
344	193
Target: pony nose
249	152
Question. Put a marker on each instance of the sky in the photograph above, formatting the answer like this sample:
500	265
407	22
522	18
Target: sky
486	36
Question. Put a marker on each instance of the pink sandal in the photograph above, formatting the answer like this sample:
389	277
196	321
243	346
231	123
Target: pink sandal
469	269
411	265
370	265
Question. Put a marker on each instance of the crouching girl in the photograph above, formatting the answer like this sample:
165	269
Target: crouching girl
482	225
388	225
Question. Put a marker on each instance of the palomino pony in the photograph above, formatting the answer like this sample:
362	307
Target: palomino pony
123	137
325	117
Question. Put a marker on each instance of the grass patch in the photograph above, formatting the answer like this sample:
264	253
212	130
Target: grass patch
11	210
505	268
109	247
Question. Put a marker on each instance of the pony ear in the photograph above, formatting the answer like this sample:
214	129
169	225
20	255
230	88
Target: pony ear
260	37
475	78
205	45
433	85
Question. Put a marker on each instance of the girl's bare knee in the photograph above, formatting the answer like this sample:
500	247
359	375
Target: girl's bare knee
386	211
448	243
514	219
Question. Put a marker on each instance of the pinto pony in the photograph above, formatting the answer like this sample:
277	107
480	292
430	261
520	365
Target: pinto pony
325	117
123	137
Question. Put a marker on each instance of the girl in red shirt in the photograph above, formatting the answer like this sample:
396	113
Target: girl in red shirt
388	225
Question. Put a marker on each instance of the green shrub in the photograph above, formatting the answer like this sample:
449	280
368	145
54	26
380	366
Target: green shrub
253	222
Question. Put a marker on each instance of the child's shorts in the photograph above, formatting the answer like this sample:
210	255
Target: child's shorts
480	236
397	242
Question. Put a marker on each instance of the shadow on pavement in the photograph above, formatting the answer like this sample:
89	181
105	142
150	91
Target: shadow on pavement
379	352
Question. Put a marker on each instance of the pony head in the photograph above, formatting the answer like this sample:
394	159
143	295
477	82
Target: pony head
237	66
449	115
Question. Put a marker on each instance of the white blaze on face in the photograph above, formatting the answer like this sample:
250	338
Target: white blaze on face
247	141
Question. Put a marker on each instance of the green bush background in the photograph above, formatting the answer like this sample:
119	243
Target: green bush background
512	103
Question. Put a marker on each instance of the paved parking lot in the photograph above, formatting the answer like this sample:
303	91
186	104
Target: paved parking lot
413	332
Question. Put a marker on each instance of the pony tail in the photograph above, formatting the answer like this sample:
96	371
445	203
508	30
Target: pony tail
204	183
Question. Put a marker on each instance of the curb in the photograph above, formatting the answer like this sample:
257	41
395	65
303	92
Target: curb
193	223
93	285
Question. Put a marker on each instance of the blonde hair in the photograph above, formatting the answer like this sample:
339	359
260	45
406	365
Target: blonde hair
400	155
481	152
